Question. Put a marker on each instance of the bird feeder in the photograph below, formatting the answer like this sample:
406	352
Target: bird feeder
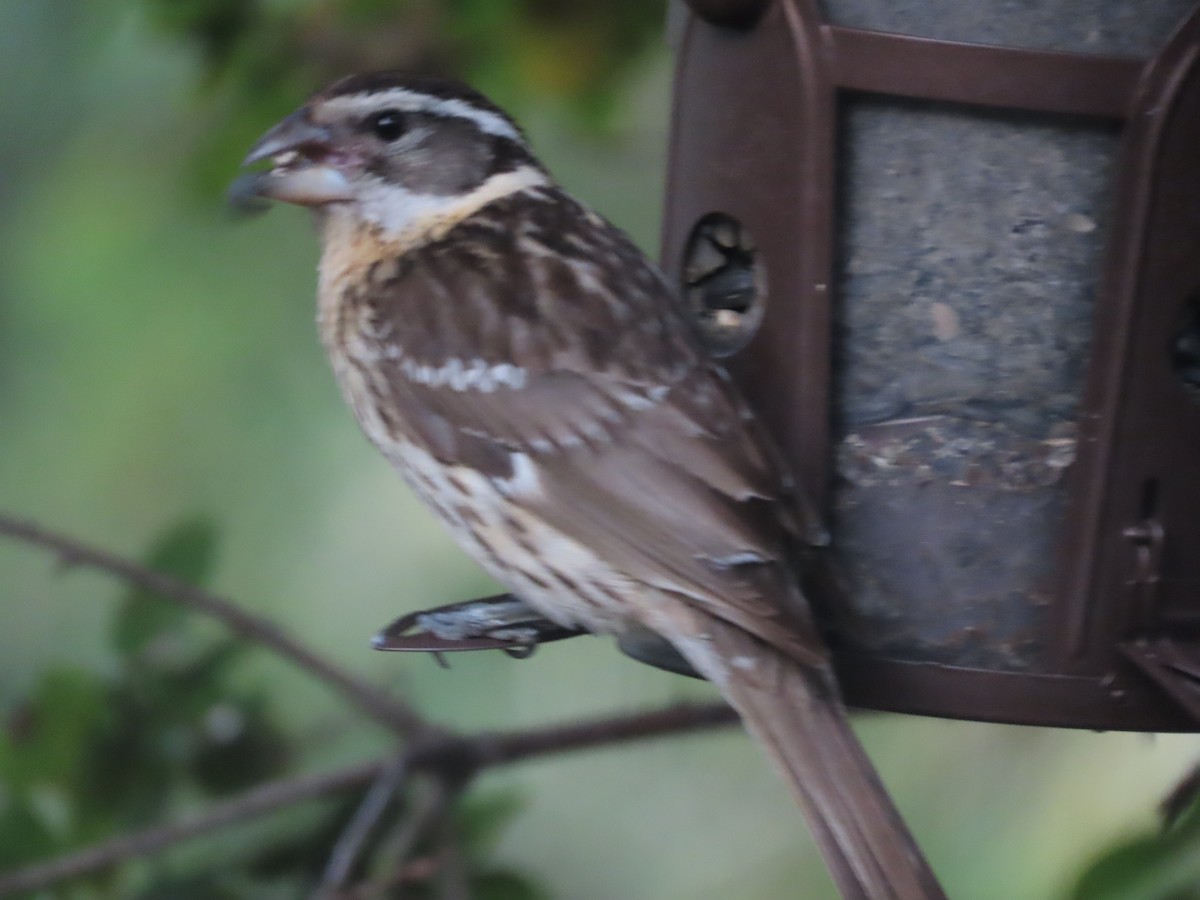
989	383
982	360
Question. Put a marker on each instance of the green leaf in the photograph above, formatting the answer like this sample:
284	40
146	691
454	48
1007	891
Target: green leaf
48	738
23	835
480	819
1163	866
218	26
241	746
1186	822
198	681
204	886
147	622
501	884
128	775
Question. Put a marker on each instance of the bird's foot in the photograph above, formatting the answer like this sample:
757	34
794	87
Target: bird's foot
500	622
505	622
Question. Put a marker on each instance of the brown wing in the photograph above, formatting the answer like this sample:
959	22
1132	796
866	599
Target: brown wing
558	340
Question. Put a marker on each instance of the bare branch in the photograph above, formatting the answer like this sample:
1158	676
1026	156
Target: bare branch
499	748
454	759
426	810
418	819
451	757
354	837
452	881
374	703
255	802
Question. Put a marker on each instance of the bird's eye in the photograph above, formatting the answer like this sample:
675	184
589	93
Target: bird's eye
387	125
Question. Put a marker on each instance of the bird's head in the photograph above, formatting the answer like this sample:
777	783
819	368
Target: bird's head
394	152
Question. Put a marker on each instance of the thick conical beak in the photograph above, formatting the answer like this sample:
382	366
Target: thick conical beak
305	166
295	133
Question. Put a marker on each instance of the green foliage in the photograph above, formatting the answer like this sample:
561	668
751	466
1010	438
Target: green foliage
186	552
480	821
216	25
40	767
1163	865
87	757
259	58
503	885
483	819
579	52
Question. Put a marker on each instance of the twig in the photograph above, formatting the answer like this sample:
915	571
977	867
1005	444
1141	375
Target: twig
1181	797
499	748
454	758
423	815
418	819
255	802
375	704
452	883
462	755
354	837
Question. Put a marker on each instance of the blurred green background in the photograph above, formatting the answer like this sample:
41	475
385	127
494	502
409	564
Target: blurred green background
158	362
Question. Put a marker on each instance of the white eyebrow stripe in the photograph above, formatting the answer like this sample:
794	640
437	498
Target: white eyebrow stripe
414	101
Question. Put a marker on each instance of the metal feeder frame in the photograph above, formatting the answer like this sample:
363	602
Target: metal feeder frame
1124	645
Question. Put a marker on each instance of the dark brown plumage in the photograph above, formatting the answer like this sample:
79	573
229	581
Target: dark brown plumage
538	383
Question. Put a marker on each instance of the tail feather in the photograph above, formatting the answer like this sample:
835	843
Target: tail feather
795	714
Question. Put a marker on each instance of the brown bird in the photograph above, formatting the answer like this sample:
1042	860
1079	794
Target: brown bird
538	383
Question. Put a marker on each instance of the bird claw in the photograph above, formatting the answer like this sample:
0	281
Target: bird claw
504	622
500	622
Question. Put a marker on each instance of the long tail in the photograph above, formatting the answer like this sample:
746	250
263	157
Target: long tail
796	715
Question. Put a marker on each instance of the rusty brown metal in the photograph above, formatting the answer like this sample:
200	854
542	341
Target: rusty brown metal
760	101
1174	667
755	137
1008	77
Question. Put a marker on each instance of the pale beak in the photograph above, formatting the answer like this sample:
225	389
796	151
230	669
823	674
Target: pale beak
306	167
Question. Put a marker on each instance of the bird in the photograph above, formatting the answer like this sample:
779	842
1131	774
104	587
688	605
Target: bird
540	385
